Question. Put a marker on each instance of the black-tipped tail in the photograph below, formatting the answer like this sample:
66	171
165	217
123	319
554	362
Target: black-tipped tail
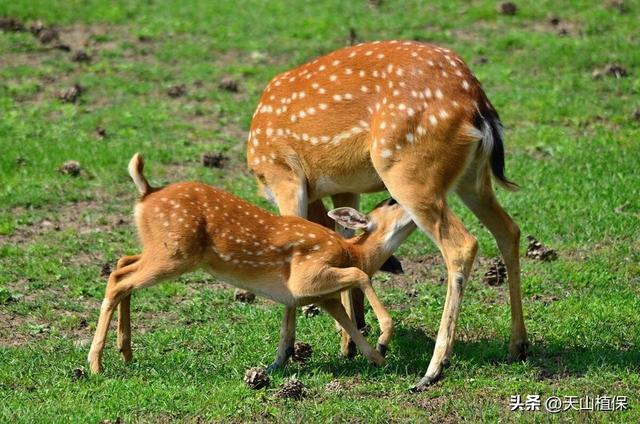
493	145
497	155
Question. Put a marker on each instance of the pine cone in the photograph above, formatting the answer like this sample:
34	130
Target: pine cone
497	273
310	310
71	167
229	84
507	8
105	270
71	94
301	351
538	251
256	378
47	35
177	90
81	56
214	159
291	389
78	373
244	296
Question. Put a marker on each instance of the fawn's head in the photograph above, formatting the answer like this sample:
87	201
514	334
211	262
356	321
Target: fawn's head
383	230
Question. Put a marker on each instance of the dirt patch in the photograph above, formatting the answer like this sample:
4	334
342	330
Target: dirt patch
429	268
477	31
11	333
558	26
72	216
435	408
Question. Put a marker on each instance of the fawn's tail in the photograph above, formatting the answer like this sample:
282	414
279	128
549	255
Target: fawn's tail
136	166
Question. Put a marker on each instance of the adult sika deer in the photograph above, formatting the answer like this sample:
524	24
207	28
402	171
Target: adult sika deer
185	226
403	116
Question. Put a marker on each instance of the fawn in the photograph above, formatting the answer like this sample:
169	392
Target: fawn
190	225
404	116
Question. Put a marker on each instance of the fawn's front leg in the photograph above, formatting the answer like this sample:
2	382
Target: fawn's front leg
287	338
336	310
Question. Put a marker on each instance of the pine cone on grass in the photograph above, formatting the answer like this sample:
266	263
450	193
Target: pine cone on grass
70	167
71	94
256	378
301	351
538	251
214	159
244	296
310	310
497	273
78	373
292	388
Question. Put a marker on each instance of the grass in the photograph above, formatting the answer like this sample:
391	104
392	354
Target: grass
571	144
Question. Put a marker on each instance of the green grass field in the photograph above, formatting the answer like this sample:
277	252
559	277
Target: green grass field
572	145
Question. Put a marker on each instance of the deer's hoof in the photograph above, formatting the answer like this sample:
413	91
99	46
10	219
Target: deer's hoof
424	383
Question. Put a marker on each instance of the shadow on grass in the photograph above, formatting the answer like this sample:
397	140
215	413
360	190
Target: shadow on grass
411	351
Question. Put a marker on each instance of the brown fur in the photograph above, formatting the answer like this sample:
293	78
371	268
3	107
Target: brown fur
185	226
405	116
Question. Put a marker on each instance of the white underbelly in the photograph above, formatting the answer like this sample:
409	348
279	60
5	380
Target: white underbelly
365	181
267	285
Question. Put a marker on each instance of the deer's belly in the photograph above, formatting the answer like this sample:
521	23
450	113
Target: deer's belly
362	181
267	283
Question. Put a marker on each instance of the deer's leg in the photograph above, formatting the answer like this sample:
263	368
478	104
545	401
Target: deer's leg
119	286
420	186
330	281
127	260
483	203
336	310
384	319
352	300
287	338
124	314
318	213
291	196
459	250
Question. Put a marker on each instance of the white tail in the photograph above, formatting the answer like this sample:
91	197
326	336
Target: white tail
397	115
136	166
186	226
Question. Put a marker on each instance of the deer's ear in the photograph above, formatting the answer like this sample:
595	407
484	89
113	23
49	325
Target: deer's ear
349	218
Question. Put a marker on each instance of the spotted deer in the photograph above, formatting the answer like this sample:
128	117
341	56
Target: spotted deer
403	116
186	226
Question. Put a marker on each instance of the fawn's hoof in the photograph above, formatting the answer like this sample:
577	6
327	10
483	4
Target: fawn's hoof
280	362
382	349
377	358
348	351
274	366
95	364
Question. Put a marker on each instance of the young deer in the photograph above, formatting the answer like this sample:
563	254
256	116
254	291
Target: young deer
397	115
186	226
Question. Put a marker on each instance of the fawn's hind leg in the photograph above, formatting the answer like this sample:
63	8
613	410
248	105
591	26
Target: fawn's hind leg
121	283
124	314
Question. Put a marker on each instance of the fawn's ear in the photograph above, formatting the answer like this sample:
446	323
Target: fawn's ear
350	218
